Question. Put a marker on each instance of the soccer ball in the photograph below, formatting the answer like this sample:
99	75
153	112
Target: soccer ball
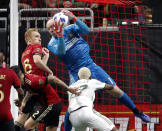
62	17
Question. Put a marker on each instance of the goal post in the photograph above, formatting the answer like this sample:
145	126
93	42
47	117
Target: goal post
14	49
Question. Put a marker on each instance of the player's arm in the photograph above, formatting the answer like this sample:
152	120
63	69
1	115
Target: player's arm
100	85
26	98
83	28
57	81
45	55
20	95
108	87
59	50
38	61
17	85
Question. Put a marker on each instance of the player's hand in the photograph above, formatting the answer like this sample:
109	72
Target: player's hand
94	5
69	14
21	107
58	28
50	74
45	52
17	102
73	90
67	4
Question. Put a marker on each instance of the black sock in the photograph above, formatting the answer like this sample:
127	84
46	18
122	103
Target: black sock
135	110
17	128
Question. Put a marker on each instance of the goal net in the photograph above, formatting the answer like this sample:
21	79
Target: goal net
117	43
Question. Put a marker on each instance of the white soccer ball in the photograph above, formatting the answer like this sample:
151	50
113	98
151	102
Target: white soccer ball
62	17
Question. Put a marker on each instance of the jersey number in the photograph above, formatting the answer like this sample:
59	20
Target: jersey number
82	87
27	66
35	114
1	94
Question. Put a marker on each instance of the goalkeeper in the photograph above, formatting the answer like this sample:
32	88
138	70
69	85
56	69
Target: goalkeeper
73	50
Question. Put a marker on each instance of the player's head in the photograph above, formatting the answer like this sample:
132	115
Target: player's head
3	54
17	71
50	27
84	73
1	58
32	36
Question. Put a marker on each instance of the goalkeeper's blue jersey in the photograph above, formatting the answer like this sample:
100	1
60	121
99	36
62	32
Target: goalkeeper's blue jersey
74	52
76	48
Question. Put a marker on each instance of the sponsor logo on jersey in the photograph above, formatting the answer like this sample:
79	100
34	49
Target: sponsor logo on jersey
70	35
41	82
2	77
38	49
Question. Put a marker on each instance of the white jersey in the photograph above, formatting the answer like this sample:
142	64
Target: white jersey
87	96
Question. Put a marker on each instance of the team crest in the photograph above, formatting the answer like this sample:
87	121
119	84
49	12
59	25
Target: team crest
38	49
70	35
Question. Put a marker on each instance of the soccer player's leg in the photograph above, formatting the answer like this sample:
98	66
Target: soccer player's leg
19	123
7	126
67	123
52	119
101	75
29	107
104	120
48	115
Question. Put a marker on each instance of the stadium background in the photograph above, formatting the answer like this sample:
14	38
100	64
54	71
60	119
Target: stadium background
131	55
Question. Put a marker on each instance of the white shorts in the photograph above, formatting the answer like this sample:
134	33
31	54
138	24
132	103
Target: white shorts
86	117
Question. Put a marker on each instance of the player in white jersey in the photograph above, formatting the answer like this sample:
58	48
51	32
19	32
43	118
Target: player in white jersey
81	107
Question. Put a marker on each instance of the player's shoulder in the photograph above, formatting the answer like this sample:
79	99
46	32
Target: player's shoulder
77	83
91	80
36	46
32	47
8	71
69	27
94	81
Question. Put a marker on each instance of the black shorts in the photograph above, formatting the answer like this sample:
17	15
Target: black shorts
31	104
48	115
7	126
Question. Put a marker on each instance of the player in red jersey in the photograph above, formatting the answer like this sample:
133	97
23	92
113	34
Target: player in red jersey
7	78
34	60
50	101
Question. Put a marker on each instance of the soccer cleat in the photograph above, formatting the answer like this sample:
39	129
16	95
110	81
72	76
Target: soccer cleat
143	116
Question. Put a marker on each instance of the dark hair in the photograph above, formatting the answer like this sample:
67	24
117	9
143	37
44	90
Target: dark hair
16	69
2	51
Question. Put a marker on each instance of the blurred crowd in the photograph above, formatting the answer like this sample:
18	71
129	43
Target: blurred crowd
145	11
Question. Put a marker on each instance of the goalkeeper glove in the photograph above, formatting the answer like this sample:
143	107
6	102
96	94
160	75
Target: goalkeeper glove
58	28
69	14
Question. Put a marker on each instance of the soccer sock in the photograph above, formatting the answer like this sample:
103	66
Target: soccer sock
136	111
126	100
17	128
67	123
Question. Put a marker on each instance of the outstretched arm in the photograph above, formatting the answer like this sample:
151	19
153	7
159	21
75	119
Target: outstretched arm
45	55
59	82
57	44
